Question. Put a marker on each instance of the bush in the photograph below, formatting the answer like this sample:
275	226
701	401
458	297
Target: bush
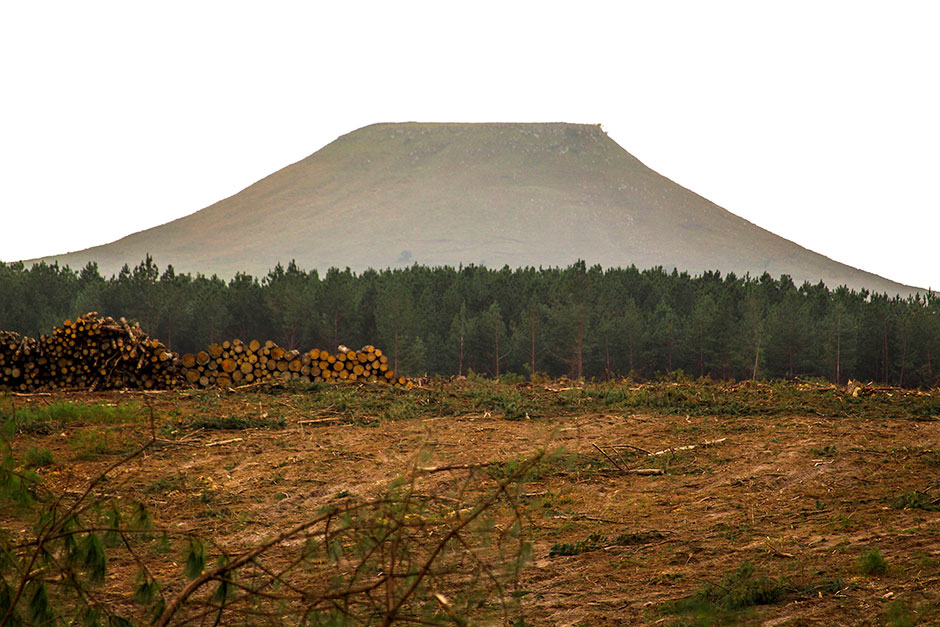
899	615
37	457
871	562
593	542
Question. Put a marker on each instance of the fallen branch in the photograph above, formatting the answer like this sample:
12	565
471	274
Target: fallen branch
775	551
635	448
190	434
609	458
452	467
221	442
689	447
314	421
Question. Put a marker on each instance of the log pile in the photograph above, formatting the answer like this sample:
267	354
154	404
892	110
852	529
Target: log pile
96	353
235	363
90	352
19	362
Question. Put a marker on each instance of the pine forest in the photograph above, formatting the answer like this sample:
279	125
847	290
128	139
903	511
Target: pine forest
578	321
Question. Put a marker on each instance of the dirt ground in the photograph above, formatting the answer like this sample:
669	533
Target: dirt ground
800	498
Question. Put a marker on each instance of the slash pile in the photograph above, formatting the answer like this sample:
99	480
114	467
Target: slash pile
237	363
90	352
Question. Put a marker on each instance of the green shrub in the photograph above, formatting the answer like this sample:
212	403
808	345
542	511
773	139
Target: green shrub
826	451
37	457
916	500
637	537
89	444
898	614
871	562
593	542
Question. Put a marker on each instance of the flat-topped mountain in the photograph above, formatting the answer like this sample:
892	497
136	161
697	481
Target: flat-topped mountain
491	194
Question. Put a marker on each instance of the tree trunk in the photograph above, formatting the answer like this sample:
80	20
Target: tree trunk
884	347
579	347
838	348
630	352
607	356
395	353
496	343
532	352
701	352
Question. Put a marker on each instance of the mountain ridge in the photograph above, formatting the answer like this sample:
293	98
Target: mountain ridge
517	194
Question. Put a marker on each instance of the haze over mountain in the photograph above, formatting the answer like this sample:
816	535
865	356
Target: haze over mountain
543	194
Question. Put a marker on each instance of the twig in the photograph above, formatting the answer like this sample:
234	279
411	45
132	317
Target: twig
647	471
244	558
316	420
452	467
221	442
603	520
609	458
775	551
253	384
689	447
167	442
636	448
191	434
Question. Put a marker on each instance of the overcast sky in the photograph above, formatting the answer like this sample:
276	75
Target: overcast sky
819	121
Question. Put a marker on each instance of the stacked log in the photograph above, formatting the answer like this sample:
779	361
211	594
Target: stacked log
235	363
366	364
90	352
20	362
93	352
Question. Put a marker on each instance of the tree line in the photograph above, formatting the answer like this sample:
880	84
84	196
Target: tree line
578	321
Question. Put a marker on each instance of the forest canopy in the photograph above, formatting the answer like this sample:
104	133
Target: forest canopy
577	321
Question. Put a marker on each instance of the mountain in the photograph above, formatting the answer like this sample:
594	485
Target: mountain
490	194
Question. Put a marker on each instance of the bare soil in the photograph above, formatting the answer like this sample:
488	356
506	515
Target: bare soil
799	497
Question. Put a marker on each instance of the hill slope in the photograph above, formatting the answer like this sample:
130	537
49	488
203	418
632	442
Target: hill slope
492	194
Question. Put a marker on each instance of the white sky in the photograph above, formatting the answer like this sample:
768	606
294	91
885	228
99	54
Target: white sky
819	121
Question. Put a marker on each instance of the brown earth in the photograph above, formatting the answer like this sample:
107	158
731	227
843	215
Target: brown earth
799	497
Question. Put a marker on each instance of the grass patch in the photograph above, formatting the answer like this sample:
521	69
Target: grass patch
514	402
739	589
168	484
898	614
45	420
916	499
872	563
89	444
233	423
637	537
593	542
38	457
561	461
514	399
596	541
826	451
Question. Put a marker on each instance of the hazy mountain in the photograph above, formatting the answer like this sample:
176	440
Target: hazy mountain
492	194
